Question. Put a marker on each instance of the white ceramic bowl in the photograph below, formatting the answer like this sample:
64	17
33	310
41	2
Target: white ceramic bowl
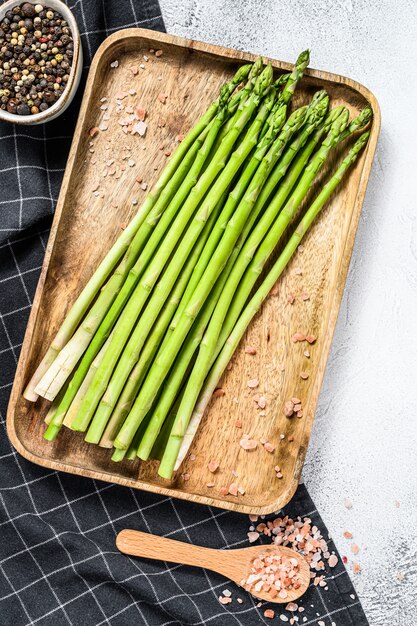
76	68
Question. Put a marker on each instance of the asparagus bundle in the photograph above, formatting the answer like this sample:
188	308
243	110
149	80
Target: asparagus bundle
138	357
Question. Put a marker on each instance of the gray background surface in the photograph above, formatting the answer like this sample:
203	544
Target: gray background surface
365	434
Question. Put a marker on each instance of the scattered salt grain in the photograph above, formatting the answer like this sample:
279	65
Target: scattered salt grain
348	503
333	560
162	97
213	466
224	600
253	383
269	447
298	337
269	613
262	402
140	129
250	350
253	536
248	444
114	64
354	548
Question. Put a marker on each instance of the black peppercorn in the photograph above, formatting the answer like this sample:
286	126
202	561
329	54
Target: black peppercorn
23	109
12	105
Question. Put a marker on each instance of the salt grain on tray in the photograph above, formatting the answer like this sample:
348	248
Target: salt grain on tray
213	466
262	402
248	444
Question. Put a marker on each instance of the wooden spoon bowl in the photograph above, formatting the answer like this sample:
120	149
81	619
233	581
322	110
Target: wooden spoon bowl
233	564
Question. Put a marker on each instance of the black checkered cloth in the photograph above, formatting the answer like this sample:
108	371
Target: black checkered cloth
58	561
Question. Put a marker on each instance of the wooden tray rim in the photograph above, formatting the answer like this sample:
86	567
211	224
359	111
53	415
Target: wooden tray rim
235	55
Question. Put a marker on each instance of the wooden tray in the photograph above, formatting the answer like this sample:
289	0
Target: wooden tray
86	224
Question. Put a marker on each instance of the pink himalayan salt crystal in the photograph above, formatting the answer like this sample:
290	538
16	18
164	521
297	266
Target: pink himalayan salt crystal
250	350
333	560
233	489
213	466
262	402
253	383
269	447
224	600
253	536
248	444
348	503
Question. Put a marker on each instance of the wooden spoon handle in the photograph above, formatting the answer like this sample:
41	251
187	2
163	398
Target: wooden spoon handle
136	543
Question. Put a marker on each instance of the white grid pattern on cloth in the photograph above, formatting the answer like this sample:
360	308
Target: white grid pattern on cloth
58	560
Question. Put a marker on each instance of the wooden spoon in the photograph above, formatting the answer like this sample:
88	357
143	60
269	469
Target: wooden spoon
234	564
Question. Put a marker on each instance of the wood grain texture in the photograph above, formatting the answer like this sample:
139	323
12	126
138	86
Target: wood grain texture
85	226
233	564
